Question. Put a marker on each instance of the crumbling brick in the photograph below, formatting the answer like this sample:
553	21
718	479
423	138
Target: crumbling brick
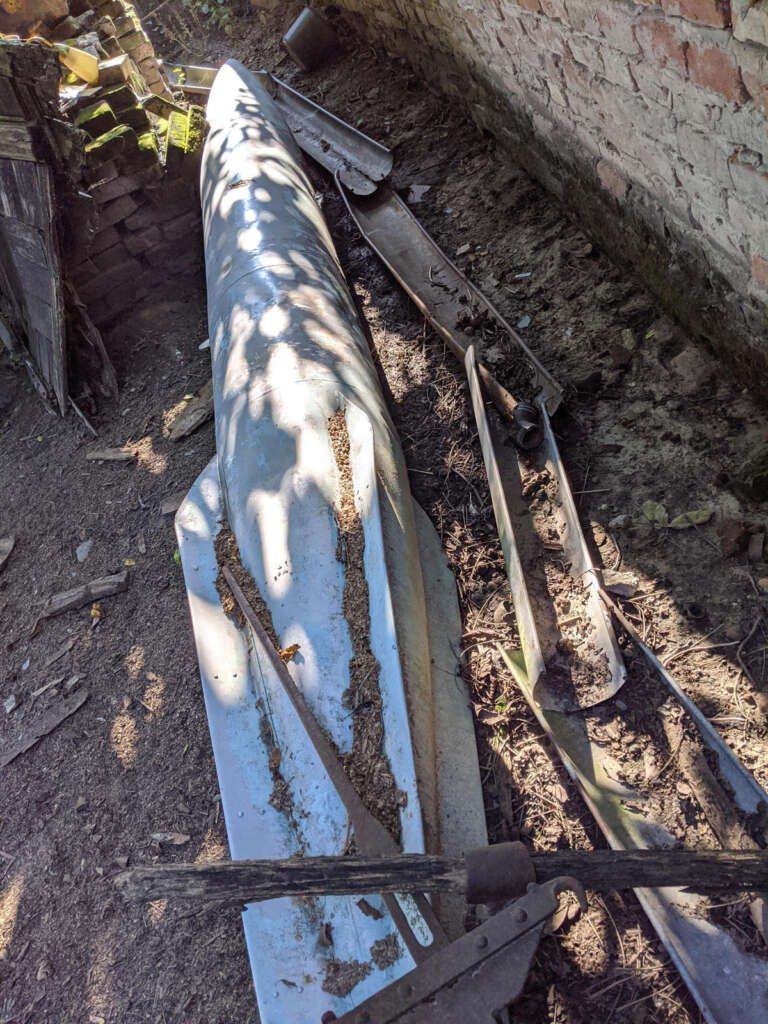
117	210
116	70
188	225
117	281
96	120
105	191
714	69
115	256
110	146
137	242
613	181
759	268
105	239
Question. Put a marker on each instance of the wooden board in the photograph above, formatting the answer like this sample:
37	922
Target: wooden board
32	273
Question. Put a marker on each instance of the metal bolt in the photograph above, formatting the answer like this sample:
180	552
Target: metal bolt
521	915
482	942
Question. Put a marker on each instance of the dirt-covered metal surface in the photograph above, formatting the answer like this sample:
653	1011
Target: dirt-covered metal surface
647	417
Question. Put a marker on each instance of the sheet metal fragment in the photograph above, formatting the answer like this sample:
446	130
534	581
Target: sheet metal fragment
440	290
360	162
553	691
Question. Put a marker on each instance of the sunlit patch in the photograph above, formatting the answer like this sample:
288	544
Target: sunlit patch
156	909
250	238
154	695
148	458
9	909
124	737
213	847
304	264
274	322
241	328
134	661
261	195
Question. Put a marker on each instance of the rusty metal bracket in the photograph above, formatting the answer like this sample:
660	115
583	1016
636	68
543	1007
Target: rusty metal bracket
478	975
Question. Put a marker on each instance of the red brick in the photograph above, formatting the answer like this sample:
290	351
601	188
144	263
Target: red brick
715	70
555	9
757	89
760	270
706	12
660	41
709	12
613	181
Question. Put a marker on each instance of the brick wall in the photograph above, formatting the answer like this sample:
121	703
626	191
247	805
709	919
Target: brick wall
650	119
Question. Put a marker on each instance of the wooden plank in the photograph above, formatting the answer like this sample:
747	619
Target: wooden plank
25	192
19	142
27	229
10	107
600	870
25	239
35	281
42	726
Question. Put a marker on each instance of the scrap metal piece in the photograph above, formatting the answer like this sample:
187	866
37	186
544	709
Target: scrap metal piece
370	835
440	290
728	984
360	162
550	693
478	975
290	364
747	792
310	39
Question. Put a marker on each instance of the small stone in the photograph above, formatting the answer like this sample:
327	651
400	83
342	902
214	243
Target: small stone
618	522
733	631
763	584
733	537
694	368
80	803
121	862
43	971
10	704
623	584
83	550
755	548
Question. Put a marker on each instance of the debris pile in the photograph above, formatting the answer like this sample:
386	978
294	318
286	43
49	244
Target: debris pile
87	98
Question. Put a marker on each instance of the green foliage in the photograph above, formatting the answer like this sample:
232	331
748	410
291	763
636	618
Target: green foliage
219	12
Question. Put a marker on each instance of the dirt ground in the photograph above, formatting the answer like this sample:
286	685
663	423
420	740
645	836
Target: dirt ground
648	417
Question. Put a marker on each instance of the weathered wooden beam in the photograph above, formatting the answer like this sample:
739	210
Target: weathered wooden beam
600	870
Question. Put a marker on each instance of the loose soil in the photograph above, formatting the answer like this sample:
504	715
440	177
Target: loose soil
647	417
366	763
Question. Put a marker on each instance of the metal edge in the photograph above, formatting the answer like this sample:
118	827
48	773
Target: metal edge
581	567
526	624
551	392
747	791
381	150
727	984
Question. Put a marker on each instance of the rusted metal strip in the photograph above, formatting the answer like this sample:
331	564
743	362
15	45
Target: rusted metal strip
360	161
441	291
553	692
